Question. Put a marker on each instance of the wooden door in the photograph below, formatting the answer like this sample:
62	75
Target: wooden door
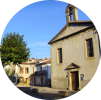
75	80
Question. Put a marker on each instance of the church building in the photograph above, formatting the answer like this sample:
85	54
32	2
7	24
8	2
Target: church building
75	53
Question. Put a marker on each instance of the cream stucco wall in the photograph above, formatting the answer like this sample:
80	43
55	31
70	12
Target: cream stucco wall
74	51
30	70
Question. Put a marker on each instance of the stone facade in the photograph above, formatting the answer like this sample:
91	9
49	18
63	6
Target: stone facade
76	66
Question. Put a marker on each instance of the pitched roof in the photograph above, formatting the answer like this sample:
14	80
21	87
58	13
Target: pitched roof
81	22
28	63
45	61
73	27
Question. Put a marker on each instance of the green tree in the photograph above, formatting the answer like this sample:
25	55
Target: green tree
13	49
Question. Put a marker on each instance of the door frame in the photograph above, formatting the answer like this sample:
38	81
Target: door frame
70	80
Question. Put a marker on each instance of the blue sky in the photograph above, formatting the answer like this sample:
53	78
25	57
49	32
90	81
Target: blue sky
39	22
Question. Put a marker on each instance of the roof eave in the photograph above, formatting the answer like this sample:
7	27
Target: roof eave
75	33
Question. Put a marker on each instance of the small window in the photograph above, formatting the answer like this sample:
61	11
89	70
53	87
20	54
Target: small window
33	70
90	50
26	70
21	70
60	55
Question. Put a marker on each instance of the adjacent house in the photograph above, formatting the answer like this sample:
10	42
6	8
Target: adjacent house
45	65
42	75
32	72
75	52
25	70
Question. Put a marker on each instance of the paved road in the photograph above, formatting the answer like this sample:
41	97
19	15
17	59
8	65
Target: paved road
45	96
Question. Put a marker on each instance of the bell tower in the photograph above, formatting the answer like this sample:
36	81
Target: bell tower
71	13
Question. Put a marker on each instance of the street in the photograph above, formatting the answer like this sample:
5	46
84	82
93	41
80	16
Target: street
45	95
